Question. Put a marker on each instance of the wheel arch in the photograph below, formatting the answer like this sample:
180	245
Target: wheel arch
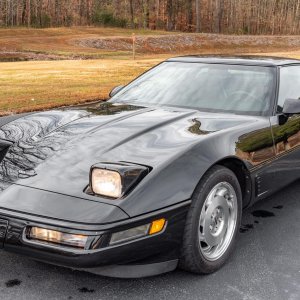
242	173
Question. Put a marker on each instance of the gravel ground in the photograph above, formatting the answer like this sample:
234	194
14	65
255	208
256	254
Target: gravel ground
265	265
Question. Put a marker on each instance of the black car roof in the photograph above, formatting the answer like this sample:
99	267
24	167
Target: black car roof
267	61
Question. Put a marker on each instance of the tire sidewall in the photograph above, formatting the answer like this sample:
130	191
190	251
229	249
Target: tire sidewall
216	175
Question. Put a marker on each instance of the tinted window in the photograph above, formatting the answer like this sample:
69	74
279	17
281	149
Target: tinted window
289	85
208	87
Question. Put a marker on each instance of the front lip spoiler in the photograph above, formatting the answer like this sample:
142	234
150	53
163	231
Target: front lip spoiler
134	271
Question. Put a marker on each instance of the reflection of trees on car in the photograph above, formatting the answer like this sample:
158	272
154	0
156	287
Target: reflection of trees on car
28	149
196	128
286	136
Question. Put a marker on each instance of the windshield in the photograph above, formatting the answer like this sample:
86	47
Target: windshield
208	87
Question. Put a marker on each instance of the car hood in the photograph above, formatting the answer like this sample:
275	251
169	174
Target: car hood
54	150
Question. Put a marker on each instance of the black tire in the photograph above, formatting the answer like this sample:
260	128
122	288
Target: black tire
192	259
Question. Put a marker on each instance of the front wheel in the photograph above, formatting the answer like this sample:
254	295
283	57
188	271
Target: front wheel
213	222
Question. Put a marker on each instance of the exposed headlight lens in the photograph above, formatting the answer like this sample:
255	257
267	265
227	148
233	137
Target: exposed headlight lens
138	232
107	183
57	237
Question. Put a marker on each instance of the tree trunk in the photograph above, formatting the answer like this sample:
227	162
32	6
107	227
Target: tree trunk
56	12
189	14
219	15
40	13
146	14
28	9
157	13
198	16
131	13
170	11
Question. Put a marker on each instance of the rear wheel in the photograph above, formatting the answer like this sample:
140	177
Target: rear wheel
212	222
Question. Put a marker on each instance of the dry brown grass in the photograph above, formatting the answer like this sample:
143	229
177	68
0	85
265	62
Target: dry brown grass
32	85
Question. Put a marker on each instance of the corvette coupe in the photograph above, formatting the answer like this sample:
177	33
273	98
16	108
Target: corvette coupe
156	177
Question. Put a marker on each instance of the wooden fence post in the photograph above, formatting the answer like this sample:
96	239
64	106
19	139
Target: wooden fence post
133	45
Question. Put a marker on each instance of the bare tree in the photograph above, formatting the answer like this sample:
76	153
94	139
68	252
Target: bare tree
131	13
28	11
226	16
198	16
219	15
146	13
170	25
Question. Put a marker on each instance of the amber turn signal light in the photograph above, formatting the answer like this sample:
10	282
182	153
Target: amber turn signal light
157	226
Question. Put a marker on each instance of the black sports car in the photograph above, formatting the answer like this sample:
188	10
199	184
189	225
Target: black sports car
156	177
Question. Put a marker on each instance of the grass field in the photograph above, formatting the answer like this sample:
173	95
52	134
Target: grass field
90	75
35	85
61	72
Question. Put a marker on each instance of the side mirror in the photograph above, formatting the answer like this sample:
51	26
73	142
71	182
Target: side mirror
291	106
115	90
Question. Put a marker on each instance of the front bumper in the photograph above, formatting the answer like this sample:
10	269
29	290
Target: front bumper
145	256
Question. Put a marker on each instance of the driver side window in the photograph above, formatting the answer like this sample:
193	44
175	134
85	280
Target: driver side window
289	85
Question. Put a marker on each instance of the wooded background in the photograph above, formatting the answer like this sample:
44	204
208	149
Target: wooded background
214	16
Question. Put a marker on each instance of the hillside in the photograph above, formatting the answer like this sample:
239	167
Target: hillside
98	43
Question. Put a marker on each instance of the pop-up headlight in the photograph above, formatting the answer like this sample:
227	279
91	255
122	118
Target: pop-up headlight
115	180
107	183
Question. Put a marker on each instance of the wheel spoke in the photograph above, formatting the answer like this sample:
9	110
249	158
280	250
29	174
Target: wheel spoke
221	192
217	221
202	220
201	238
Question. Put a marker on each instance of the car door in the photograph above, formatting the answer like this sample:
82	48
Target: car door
286	130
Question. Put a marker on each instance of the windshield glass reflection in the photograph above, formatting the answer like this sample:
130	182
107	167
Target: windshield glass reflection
208	87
